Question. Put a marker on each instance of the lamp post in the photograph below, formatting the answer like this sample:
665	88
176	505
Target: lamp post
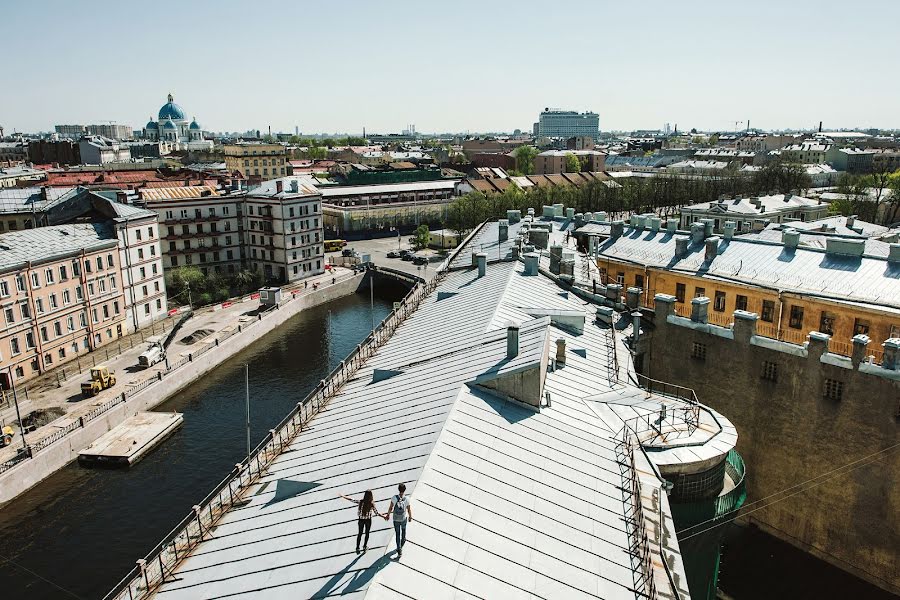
12	383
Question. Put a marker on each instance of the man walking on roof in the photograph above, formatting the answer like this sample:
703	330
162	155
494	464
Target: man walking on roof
402	513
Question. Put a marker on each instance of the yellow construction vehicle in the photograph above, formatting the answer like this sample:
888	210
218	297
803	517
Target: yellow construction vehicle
6	438
101	378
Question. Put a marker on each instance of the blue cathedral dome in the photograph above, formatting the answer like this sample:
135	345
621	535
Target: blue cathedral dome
194	124
170	110
169	124
151	124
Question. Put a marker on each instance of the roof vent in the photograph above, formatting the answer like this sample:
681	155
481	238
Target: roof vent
712	248
790	238
841	247
894	253
512	341
681	246
482	263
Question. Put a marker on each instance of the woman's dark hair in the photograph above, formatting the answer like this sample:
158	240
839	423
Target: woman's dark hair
402	487
367	503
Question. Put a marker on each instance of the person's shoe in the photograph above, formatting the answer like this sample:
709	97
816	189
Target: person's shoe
365	548
357	550
399	553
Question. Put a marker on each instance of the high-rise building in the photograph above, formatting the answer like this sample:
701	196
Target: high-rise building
567	123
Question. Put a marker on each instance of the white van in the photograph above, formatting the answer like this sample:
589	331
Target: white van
151	356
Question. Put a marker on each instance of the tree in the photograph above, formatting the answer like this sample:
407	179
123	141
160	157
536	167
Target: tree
525	159
573	165
420	239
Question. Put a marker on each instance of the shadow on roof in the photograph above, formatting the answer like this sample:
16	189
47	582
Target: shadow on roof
359	581
285	489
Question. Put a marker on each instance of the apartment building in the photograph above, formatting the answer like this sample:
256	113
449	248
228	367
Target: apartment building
805	153
840	288
98	150
200	226
554	161
763	143
61	294
754	213
567	123
282	221
256	161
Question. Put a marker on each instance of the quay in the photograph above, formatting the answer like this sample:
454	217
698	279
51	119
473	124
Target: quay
152	387
130	441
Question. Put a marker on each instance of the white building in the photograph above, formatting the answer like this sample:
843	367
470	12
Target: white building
98	150
174	128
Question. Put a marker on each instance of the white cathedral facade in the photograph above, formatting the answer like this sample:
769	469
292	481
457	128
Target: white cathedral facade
173	130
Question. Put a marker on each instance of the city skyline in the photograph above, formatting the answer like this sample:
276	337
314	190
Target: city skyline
483	69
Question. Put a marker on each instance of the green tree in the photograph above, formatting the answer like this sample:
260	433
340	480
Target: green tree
524	156
420	239
573	165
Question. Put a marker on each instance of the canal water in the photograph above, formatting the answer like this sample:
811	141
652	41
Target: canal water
83	529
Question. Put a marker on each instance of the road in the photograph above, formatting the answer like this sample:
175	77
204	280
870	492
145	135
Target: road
378	248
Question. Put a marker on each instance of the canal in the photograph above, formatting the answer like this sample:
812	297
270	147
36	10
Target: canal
83	529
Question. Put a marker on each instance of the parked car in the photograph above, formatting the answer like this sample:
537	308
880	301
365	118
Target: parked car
420	260
405	252
393	254
407	257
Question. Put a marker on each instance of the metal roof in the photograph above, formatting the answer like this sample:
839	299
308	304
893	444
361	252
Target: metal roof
867	279
508	502
388	188
18	248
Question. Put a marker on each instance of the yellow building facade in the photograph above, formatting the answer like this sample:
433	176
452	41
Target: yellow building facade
256	160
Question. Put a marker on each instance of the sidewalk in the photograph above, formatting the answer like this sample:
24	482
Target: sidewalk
67	396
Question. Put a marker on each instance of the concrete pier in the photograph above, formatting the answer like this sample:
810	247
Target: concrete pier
132	440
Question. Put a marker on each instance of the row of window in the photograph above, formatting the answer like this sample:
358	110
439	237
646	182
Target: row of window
198	213
213	256
201	243
301	210
265	162
48	276
266	171
198	228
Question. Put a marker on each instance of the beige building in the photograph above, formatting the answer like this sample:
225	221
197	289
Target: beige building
282	222
256	160
554	161
61	294
200	226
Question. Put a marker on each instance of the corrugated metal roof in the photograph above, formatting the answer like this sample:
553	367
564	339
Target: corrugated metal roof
178	193
507	502
866	279
46	243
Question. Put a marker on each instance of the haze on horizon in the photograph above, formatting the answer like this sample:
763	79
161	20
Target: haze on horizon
463	67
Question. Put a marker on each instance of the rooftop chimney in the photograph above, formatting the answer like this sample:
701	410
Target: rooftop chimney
512	341
730	226
842	247
681	246
712	248
671	225
295	186
531	263
697	232
851	221
617	229
560	352
894	253
700	309
279	186
503	228
790	238
482	263
655	223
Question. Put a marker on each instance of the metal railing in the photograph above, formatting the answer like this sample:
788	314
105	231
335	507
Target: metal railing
638	540
690	413
152	571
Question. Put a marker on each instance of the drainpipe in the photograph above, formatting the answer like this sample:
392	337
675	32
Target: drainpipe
780	315
130	279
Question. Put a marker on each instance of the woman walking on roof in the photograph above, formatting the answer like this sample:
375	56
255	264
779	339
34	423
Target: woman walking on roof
365	508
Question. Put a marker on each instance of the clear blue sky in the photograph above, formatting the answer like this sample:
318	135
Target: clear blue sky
452	66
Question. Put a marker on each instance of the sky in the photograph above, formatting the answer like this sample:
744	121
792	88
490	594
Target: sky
456	66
